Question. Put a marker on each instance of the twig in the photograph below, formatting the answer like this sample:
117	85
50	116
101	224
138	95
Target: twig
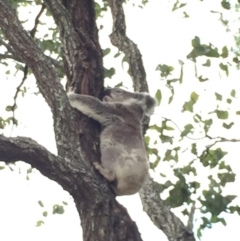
191	217
194	139
25	70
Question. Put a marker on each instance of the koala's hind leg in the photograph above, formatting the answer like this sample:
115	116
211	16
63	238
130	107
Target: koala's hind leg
109	175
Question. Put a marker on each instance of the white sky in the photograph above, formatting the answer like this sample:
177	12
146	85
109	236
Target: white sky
162	37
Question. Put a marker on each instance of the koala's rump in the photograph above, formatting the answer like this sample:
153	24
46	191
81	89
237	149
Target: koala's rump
129	165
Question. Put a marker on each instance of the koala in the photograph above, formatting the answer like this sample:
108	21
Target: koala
124	161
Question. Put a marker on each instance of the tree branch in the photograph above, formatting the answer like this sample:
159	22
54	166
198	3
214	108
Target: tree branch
161	215
9	56
46	76
129	48
27	150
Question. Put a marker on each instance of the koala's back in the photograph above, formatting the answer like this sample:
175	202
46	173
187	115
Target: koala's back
123	152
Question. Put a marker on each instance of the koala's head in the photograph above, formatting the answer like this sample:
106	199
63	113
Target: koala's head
117	95
144	100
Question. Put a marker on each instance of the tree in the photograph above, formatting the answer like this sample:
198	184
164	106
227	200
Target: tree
80	59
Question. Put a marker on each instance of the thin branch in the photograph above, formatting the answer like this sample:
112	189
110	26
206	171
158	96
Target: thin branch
8	47
25	69
36	22
222	139
161	215
188	137
127	46
10	56
56	63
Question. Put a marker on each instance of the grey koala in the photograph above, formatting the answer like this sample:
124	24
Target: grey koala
123	157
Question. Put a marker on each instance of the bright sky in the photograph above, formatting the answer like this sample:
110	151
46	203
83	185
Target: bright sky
162	37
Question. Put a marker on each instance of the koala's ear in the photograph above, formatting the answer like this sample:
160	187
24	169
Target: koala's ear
150	103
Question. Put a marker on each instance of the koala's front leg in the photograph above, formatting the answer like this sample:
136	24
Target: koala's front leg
109	175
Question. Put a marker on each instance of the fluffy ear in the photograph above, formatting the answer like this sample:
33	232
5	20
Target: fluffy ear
149	104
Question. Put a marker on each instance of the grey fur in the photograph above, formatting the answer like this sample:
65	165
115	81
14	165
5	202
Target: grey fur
123	156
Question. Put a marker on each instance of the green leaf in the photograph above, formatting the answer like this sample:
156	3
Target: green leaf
226	177
233	93
58	209
45	213
224	68
119	85
202	49
146	140
187	129
11	108
125	59
158	96
238	112
201	79
212	157
228	126
109	72
207	63
196	42
233	209
185	15
154	164
188	169
165	139
224	166
164	69
181	76
214	202
188	106
224	52
194	97
39	223
222	114
117	54
179	194
194	149
176	6
210	52
218	96
65	203
106	51
162	175
226	5
2	167
229	101
40	203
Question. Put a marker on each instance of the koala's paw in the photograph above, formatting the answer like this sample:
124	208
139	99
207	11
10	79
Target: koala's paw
71	91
